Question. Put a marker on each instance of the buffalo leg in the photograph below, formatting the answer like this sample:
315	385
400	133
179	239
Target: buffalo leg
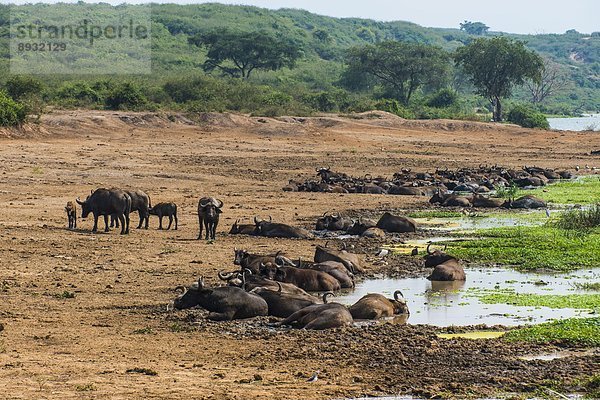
175	216
214	230
74	222
200	223
294	317
127	220
106	223
141	214
226	316
170	222
147	218
207	227
160	217
95	228
122	220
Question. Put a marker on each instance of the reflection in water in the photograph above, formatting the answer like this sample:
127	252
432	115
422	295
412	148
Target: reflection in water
454	303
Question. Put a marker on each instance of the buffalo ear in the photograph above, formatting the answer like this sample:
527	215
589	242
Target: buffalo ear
219	211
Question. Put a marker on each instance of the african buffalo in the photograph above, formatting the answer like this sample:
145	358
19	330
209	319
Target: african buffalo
361	226
529	201
373	233
319	316
107	202
140	202
165	210
273	229
333	222
307	279
209	209
480	201
282	304
445	267
406	190
450	200
350	260
71	210
242	229
376	306
224	303
396	224
252	262
333	268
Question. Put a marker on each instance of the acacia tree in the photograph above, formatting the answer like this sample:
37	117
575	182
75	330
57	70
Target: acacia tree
474	28
496	65
402	68
239	53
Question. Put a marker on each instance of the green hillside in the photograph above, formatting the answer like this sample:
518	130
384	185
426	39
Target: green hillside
324	42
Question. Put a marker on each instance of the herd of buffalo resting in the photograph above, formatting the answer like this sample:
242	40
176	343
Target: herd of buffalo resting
277	286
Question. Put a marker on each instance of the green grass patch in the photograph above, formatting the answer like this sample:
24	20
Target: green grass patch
531	248
583	219
582	191
592	386
573	331
435	214
588	286
577	301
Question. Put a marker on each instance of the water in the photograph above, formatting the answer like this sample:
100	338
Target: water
576	124
453	303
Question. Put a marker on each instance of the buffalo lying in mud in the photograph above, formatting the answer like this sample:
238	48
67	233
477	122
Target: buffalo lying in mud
242	229
333	268
319	317
350	260
165	210
273	229
450	199
361	226
140	202
445	267
282	304
527	202
248	281
107	202
71	210
307	279
480	201
396	224
376	306
209	209
333	222
224	303
252	262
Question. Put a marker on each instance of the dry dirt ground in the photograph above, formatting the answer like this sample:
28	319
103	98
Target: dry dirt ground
114	338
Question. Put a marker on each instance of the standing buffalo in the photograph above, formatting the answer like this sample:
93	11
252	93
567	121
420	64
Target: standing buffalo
376	306
446	267
209	209
396	224
140	202
107	202
71	210
224	303
165	210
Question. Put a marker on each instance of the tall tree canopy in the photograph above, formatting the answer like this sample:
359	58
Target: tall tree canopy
496	65
474	28
239	53
401	68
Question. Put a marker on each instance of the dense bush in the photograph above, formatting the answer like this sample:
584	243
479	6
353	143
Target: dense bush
127	96
443	98
19	87
78	94
11	112
527	117
580	219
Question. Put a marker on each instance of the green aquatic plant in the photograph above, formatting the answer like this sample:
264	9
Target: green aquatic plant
572	331
582	191
580	219
577	301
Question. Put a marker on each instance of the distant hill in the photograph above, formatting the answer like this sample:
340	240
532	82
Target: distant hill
325	40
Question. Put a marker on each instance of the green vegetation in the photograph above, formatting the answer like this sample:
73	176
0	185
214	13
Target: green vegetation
577	301
11	112
65	295
532	248
527	117
308	75
435	214
583	191
588	286
592	385
496	65
582	219
574	331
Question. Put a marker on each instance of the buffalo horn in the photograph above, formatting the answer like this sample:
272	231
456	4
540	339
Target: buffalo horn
225	276
428	248
182	288
325	295
79	201
396	293
279	288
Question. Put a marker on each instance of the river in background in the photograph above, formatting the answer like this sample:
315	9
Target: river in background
588	122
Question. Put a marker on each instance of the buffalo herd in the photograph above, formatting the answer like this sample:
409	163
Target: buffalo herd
278	286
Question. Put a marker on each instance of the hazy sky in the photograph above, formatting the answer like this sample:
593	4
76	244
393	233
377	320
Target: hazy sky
515	16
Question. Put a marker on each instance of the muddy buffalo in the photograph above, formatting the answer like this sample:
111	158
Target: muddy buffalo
140	202
445	267
350	260
224	303
307	279
107	202
282	304
273	229
319	317
396	224
376	306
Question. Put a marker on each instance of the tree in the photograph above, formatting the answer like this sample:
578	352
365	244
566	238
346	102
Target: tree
474	28
21	87
552	79
239	53
11	112
401	68
496	65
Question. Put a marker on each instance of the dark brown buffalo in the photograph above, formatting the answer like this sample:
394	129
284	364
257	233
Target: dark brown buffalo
373	233
224	303
396	224
253	262
273	229
282	304
307	279
359	227
445	267
319	317
248	281
450	200
528	202
376	306
333	222
350	260
107	202
165	210
209	209
140	202
333	268
71	210
242	229
480	201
